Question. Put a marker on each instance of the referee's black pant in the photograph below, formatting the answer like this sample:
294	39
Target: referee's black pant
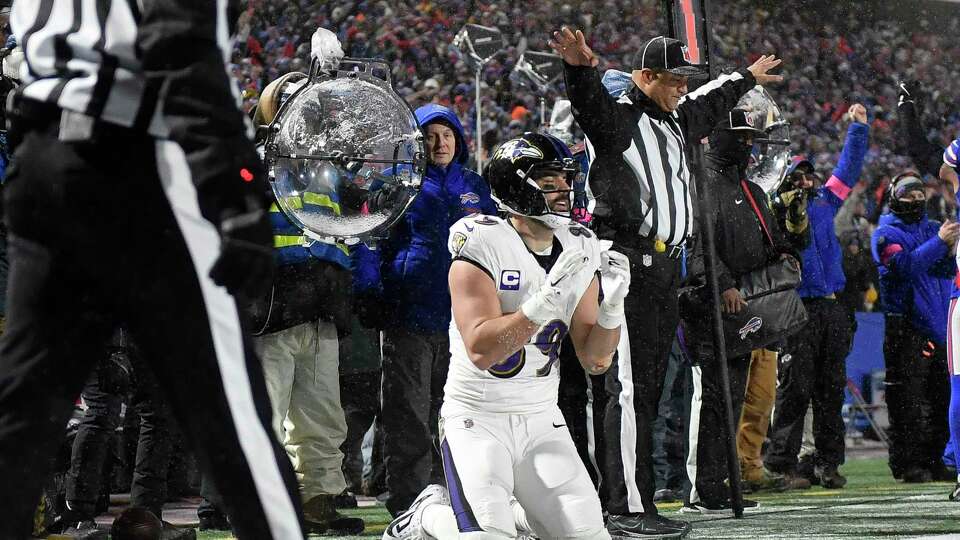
635	380
110	232
582	400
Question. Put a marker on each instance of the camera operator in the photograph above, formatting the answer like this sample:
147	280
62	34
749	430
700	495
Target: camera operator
748	238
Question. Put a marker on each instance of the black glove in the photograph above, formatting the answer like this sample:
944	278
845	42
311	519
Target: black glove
910	91
236	196
245	265
385	198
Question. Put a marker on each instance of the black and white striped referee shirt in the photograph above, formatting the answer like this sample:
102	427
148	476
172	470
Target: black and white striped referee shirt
639	175
120	60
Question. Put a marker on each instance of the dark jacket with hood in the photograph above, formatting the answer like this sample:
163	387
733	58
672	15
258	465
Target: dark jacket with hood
741	243
404	281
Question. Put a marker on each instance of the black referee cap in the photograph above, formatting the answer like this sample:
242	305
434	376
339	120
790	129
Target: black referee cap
667	54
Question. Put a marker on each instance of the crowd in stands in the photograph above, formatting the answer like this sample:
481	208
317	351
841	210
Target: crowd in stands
863	61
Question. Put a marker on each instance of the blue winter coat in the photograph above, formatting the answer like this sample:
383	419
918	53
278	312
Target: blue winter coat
916	273
407	273
822	258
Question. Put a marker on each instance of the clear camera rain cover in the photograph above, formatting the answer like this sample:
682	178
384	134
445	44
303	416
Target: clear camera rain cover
771	154
345	156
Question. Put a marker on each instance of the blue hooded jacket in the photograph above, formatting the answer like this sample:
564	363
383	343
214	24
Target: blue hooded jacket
822	258
407	273
916	273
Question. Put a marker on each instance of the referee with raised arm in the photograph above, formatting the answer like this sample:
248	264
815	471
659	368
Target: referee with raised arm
641	181
136	195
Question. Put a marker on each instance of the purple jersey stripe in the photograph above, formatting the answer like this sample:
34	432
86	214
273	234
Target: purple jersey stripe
466	521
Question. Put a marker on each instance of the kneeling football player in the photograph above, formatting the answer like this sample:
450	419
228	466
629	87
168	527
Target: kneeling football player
518	285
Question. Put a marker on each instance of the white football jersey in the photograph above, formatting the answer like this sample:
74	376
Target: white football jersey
528	380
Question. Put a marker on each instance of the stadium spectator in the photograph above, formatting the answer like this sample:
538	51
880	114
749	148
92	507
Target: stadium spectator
760	395
915	258
812	365
948	175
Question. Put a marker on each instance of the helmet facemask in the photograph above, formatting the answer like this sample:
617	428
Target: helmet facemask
537	204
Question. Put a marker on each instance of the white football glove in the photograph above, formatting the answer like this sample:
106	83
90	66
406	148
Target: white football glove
325	47
548	302
615	278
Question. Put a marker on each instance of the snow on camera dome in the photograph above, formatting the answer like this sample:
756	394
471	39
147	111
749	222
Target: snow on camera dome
771	154
345	156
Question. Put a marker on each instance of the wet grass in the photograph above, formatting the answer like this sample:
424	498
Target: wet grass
872	505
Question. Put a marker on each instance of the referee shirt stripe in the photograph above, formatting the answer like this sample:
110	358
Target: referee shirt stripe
82	55
681	197
688	208
38	52
108	66
655	157
648	191
62	52
664	148
39	21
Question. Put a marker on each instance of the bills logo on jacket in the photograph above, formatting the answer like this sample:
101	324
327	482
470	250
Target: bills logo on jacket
752	326
469	198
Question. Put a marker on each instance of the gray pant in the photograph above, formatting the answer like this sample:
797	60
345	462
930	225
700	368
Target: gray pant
301	366
414	372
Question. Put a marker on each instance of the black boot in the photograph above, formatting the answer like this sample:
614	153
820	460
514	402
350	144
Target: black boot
214	521
830	478
320	514
345	500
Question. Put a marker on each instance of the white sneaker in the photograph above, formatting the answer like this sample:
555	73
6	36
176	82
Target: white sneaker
408	526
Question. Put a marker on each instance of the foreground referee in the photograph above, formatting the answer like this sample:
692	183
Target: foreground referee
640	179
136	196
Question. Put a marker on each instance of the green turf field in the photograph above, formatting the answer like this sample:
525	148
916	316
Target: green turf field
873	505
